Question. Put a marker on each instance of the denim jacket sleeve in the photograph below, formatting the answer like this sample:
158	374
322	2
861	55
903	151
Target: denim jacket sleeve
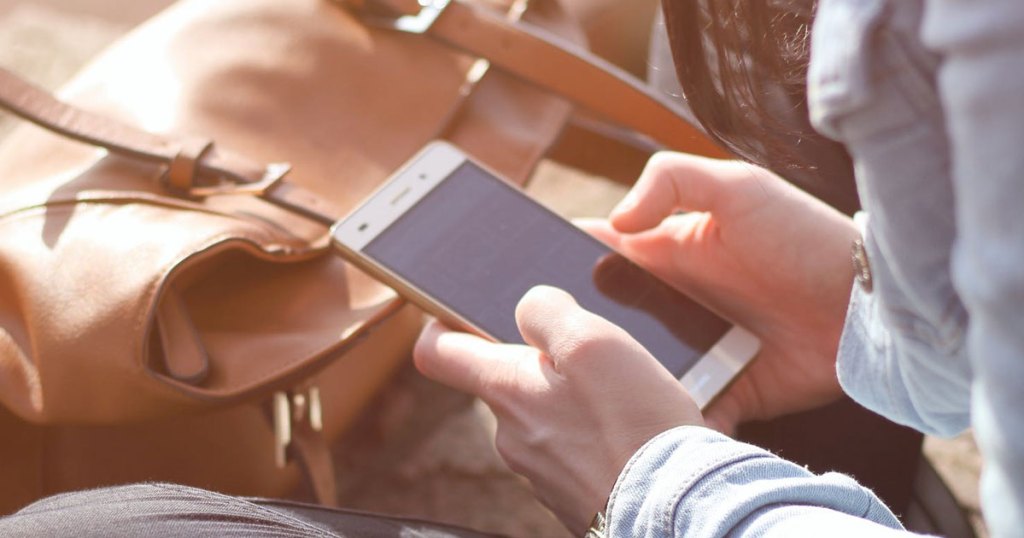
691	481
927	368
871	85
927	96
981	82
936	136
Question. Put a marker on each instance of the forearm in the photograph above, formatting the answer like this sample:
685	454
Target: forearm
691	481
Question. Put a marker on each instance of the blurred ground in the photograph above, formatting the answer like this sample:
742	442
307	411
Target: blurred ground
455	474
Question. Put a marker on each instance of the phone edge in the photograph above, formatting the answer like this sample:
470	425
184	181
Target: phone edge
721	365
408	291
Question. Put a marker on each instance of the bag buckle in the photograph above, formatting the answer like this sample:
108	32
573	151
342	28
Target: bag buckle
403	21
294	407
273	173
233	175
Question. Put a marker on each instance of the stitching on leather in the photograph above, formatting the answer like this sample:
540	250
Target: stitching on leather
384	311
107	197
120	198
151	296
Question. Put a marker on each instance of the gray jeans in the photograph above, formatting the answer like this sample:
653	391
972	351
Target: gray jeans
155	509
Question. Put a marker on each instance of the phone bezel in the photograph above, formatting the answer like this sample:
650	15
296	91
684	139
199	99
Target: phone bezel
406	187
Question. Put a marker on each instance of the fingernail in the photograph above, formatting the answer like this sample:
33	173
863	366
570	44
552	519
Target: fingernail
584	222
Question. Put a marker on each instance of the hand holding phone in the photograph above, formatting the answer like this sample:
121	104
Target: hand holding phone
570	431
466	246
572	407
764	253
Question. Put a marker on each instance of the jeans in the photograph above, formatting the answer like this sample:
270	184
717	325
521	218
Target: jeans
169	510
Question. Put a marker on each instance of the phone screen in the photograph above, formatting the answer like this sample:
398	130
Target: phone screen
476	244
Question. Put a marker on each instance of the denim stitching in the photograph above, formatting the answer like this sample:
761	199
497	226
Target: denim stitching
699	476
629	466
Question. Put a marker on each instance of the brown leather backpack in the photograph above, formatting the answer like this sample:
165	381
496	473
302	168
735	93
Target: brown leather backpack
169	309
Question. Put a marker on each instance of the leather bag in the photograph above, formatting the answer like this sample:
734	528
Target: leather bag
169	306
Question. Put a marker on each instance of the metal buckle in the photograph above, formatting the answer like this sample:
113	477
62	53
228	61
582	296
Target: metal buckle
419	23
289	409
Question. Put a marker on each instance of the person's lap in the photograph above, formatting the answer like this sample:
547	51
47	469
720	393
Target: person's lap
174	510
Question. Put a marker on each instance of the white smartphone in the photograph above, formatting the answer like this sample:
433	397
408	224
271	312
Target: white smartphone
465	246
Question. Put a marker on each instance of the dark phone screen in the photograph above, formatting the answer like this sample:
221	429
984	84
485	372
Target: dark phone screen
477	245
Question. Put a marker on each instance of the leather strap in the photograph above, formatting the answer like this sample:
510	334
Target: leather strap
194	166
314	454
519	48
564	68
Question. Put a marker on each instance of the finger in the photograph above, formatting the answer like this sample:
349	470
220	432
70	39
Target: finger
721	427
672	182
600	229
666	250
654	249
464	361
723	416
550	320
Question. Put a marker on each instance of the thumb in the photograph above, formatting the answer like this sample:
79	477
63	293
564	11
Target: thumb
673	182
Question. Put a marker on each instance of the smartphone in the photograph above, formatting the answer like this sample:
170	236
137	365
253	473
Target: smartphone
465	246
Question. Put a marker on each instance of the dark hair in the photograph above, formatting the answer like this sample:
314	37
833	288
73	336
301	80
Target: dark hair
742	65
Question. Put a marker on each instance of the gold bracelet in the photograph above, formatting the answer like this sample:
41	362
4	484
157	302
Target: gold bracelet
597	526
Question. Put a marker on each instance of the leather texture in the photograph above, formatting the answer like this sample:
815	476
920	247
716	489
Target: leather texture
150	303
302	82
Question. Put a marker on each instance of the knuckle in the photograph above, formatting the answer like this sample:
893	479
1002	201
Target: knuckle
537	439
519	449
585	340
663	164
507	385
661	159
509	449
498	390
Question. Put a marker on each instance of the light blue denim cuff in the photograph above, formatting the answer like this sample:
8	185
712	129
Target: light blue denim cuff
691	481
863	366
897	376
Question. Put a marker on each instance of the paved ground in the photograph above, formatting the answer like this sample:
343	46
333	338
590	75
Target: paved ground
455	475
